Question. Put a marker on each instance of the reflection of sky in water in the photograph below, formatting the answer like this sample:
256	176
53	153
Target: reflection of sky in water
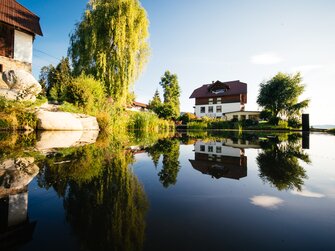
200	212
232	211
269	202
307	193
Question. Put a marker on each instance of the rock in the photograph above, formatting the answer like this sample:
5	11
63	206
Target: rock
65	121
21	84
52	140
8	94
15	174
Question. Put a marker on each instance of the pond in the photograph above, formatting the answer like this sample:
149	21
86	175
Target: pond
183	191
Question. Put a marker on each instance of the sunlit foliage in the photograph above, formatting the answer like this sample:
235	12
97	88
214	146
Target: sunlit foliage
111	43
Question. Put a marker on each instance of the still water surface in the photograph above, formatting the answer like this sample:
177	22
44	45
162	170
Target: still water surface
195	191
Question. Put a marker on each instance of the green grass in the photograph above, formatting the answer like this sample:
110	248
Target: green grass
149	122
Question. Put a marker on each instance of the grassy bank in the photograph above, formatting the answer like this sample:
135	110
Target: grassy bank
21	116
237	125
16	115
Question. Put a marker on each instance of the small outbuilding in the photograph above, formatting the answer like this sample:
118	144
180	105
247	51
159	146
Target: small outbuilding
18	28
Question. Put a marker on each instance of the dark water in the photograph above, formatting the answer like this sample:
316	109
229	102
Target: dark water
195	191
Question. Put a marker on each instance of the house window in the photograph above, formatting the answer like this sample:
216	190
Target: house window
6	41
202	109
235	117
210	109
218	149
210	101
218	100
243	117
202	148
219	109
210	149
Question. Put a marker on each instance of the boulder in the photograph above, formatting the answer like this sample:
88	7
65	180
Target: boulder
49	140
20	85
65	121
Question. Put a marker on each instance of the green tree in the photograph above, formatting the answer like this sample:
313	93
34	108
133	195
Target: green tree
58	80
111	44
170	85
156	102
279	97
279	163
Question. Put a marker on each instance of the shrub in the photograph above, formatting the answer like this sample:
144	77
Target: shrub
187	117
147	121
104	120
197	125
86	92
283	124
293	122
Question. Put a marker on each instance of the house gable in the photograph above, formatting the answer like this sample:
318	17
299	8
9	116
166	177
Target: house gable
16	15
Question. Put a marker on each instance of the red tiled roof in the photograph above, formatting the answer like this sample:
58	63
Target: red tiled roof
234	88
140	104
13	13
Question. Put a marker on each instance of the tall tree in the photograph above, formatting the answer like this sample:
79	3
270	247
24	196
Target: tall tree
156	101
171	87
56	79
111	44
279	96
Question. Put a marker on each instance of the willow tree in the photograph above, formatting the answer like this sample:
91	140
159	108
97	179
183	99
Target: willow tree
111	43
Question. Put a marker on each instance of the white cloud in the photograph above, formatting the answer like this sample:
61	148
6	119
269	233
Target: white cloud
268	202
307	68
307	193
266	59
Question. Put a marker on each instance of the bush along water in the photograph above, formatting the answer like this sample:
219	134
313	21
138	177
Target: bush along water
15	115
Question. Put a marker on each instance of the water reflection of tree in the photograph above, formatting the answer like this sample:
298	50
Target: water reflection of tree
279	163
105	206
169	148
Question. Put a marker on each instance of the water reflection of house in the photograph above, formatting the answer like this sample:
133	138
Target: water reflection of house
15	227
219	159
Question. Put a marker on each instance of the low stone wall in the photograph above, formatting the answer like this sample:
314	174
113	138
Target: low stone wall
11	64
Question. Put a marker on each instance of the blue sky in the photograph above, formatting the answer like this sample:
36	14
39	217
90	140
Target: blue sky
205	40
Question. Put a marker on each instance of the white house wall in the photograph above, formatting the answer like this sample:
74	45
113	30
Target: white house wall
17	208
226	107
23	47
225	150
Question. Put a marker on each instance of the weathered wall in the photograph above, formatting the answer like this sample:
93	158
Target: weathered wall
11	64
23	47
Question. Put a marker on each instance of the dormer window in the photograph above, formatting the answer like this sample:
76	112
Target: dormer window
219	91
218	87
